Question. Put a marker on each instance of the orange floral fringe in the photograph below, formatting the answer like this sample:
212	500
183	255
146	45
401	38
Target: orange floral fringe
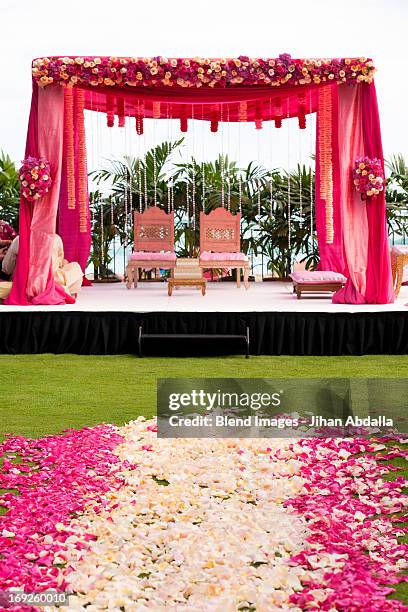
325	157
82	169
69	144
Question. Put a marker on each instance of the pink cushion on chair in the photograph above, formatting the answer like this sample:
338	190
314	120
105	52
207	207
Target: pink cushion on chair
317	276
153	256
208	256
400	249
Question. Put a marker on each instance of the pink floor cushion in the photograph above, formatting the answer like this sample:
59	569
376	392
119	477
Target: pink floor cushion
208	256
400	249
317	276
150	256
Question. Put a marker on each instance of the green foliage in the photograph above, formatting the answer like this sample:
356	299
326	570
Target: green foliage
265	197
396	196
9	191
141	183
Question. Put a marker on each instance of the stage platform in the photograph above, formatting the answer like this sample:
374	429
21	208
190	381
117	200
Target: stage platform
106	319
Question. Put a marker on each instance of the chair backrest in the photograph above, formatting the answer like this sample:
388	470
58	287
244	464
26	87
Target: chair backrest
220	231
153	230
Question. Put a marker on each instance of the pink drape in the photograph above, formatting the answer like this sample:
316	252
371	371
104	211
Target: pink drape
364	225
33	281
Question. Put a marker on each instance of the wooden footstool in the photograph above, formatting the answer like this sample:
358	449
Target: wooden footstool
399	259
186	282
187	273
316	282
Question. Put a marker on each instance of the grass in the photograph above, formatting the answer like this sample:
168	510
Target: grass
44	394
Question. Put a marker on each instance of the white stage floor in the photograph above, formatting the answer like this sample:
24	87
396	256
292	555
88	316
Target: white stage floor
220	297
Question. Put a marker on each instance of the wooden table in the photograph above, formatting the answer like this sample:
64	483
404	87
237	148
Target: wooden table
186	282
329	287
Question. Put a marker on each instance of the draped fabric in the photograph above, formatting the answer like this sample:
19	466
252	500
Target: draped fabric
364	225
352	235
271	333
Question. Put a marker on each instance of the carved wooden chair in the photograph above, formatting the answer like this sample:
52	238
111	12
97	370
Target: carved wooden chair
220	243
153	243
399	259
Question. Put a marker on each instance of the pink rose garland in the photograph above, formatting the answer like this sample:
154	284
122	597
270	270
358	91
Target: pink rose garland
35	178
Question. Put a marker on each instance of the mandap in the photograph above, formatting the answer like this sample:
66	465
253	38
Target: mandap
351	226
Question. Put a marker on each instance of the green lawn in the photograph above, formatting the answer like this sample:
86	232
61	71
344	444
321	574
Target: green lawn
42	394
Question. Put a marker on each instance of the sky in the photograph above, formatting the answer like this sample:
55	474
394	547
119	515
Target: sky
217	28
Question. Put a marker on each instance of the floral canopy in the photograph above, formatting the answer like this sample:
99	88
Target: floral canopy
352	233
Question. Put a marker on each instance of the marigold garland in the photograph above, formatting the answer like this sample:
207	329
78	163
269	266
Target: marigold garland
69	145
198	71
82	181
325	157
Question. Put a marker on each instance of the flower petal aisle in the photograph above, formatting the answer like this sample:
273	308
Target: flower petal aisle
206	525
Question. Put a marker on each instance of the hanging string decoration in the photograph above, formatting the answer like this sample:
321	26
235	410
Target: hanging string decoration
289	183
193	166
222	180
194	193
270	163
311	187
139	184
112	217
239	192
145	180
259	197
203	185
168	195
154	176
69	144
102	229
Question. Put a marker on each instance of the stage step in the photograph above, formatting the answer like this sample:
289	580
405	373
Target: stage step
243	337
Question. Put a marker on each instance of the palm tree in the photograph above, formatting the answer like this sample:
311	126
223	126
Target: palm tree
288	198
396	196
9	190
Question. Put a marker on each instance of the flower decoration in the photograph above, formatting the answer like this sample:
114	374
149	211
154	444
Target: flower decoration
368	176
35	178
161	522
198	71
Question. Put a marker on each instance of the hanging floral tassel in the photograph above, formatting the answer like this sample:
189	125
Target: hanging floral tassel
183	120
82	176
139	125
243	111
121	112
279	113
258	115
69	144
110	110
156	110
302	112
214	120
